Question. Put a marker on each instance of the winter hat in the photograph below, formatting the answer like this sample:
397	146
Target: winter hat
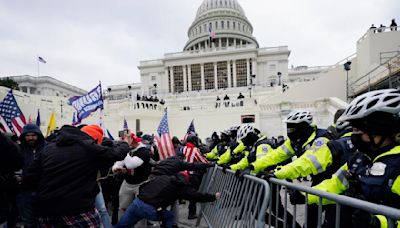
134	138
95	132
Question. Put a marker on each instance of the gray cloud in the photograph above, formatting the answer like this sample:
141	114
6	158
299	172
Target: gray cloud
87	41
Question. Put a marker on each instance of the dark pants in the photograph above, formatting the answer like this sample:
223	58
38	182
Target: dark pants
195	181
26	203
139	210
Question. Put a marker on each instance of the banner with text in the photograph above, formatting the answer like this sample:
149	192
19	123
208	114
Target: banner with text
86	104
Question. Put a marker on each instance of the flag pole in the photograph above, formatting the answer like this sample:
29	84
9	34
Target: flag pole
38	65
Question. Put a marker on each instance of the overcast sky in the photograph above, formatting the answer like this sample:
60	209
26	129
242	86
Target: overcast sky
84	41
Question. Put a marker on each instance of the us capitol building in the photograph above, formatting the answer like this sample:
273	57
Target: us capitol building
222	58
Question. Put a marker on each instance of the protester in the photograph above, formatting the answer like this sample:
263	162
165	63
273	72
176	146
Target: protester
32	143
136	168
163	188
65	173
11	161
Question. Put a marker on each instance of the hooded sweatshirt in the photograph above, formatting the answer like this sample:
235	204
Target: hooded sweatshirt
65	172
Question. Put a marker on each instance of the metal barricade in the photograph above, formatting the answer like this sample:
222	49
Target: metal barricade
282	186
243	202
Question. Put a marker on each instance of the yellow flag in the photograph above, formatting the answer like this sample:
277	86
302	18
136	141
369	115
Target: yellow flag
52	124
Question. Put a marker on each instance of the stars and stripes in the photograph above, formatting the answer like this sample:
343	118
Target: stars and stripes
192	154
191	130
163	139
40	59
125	124
11	117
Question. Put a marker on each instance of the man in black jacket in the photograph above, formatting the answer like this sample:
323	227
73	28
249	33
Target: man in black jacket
32	143
163	188
65	176
9	163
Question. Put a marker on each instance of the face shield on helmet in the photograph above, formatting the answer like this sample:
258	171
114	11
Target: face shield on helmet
298	125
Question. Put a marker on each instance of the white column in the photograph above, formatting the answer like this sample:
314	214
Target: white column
171	71
234	42
202	75
215	76
248	71
28	90
234	73
219	42
184	78
198	46
228	72
189	73
254	70
166	76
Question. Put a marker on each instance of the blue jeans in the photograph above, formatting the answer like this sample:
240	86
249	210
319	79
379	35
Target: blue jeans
101	207
139	210
25	203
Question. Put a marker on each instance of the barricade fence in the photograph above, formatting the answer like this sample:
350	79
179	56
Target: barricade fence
242	204
254	202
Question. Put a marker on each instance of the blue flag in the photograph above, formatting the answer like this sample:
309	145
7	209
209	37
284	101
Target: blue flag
125	124
86	104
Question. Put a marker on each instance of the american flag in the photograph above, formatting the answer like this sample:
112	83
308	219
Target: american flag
11	117
163	139
41	59
125	124
189	131
193	155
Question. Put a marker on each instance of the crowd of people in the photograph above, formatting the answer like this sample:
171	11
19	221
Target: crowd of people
75	177
381	28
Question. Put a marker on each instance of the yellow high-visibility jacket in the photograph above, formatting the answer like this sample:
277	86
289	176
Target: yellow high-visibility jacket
225	158
339	183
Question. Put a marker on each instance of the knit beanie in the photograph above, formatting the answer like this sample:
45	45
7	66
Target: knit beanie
95	132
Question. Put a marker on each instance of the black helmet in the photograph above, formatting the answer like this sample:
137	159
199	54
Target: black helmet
193	139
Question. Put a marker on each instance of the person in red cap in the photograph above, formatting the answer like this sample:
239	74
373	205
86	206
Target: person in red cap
64	176
135	168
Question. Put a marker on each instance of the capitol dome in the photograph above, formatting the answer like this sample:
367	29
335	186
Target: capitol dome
226	20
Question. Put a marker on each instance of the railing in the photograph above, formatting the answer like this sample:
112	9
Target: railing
378	30
251	202
377	74
242	203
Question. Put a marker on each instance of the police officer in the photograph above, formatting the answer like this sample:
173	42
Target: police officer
221	147
234	153
373	173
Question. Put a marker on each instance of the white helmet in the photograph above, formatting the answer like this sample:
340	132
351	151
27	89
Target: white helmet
385	100
244	130
342	124
299	116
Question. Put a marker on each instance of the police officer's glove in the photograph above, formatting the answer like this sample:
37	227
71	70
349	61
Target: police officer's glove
266	175
243	173
237	173
362	218
251	157
224	167
296	197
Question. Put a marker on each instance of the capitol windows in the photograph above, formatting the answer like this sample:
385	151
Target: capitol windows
234	25
272	67
222	24
153	77
209	75
222	77
196	76
227	24
169	80
216	24
178	79
241	73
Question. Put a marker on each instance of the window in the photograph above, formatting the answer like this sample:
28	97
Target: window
196	76
241	73
178	79
169	80
209	75
210	26
153	77
222	24
234	25
216	25
222	76
227	24
248	119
